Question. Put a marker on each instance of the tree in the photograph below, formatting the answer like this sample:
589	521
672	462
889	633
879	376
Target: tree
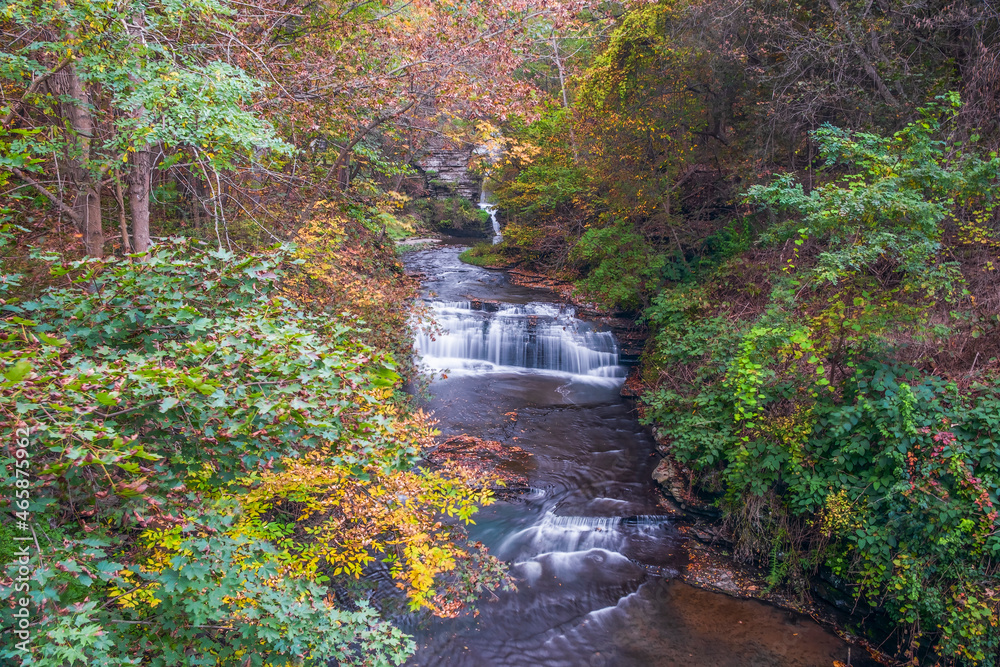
101	83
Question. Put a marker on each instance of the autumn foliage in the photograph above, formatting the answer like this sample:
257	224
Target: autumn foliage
799	200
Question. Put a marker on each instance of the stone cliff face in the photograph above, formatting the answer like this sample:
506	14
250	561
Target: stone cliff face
446	174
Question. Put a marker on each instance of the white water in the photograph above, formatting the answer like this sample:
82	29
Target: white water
568	534
592	556
538	336
492	210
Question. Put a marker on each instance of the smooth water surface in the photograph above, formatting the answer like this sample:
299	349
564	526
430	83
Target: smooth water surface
595	558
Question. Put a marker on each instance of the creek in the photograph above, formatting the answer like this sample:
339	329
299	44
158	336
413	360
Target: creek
597	561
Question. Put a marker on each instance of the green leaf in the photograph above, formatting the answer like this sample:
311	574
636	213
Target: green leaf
18	371
168	403
49	340
104	398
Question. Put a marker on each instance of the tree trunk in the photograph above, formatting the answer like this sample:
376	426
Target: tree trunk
344	176
565	100
140	177
122	216
138	192
87	202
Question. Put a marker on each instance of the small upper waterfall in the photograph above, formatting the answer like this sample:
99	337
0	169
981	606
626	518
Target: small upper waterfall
540	336
485	204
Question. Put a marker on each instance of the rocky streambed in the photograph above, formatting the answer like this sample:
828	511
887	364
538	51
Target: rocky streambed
603	558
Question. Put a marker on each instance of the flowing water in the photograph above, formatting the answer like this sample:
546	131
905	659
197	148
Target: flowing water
484	203
596	561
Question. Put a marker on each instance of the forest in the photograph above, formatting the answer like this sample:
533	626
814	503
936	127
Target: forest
210	432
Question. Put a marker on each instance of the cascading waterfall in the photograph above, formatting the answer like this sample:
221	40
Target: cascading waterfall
585	536
541	336
565	534
485	204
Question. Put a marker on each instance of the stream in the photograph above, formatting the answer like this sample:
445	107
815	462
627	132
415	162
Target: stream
595	557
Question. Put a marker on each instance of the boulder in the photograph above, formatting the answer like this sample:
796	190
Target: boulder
673	480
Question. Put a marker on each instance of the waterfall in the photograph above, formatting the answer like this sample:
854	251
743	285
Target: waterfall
583	533
492	210
541	336
565	534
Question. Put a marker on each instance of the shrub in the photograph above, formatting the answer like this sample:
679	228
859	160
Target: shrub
834	451
209	462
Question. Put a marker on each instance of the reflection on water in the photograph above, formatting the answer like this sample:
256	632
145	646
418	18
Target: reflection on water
594	558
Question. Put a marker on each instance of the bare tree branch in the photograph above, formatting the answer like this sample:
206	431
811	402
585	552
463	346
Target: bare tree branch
35	85
74	216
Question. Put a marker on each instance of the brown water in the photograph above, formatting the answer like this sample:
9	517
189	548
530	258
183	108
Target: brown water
595	558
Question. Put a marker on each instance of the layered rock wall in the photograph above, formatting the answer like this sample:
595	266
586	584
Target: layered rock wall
447	174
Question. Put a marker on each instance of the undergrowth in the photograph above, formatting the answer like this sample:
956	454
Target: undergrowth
218	448
812	391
